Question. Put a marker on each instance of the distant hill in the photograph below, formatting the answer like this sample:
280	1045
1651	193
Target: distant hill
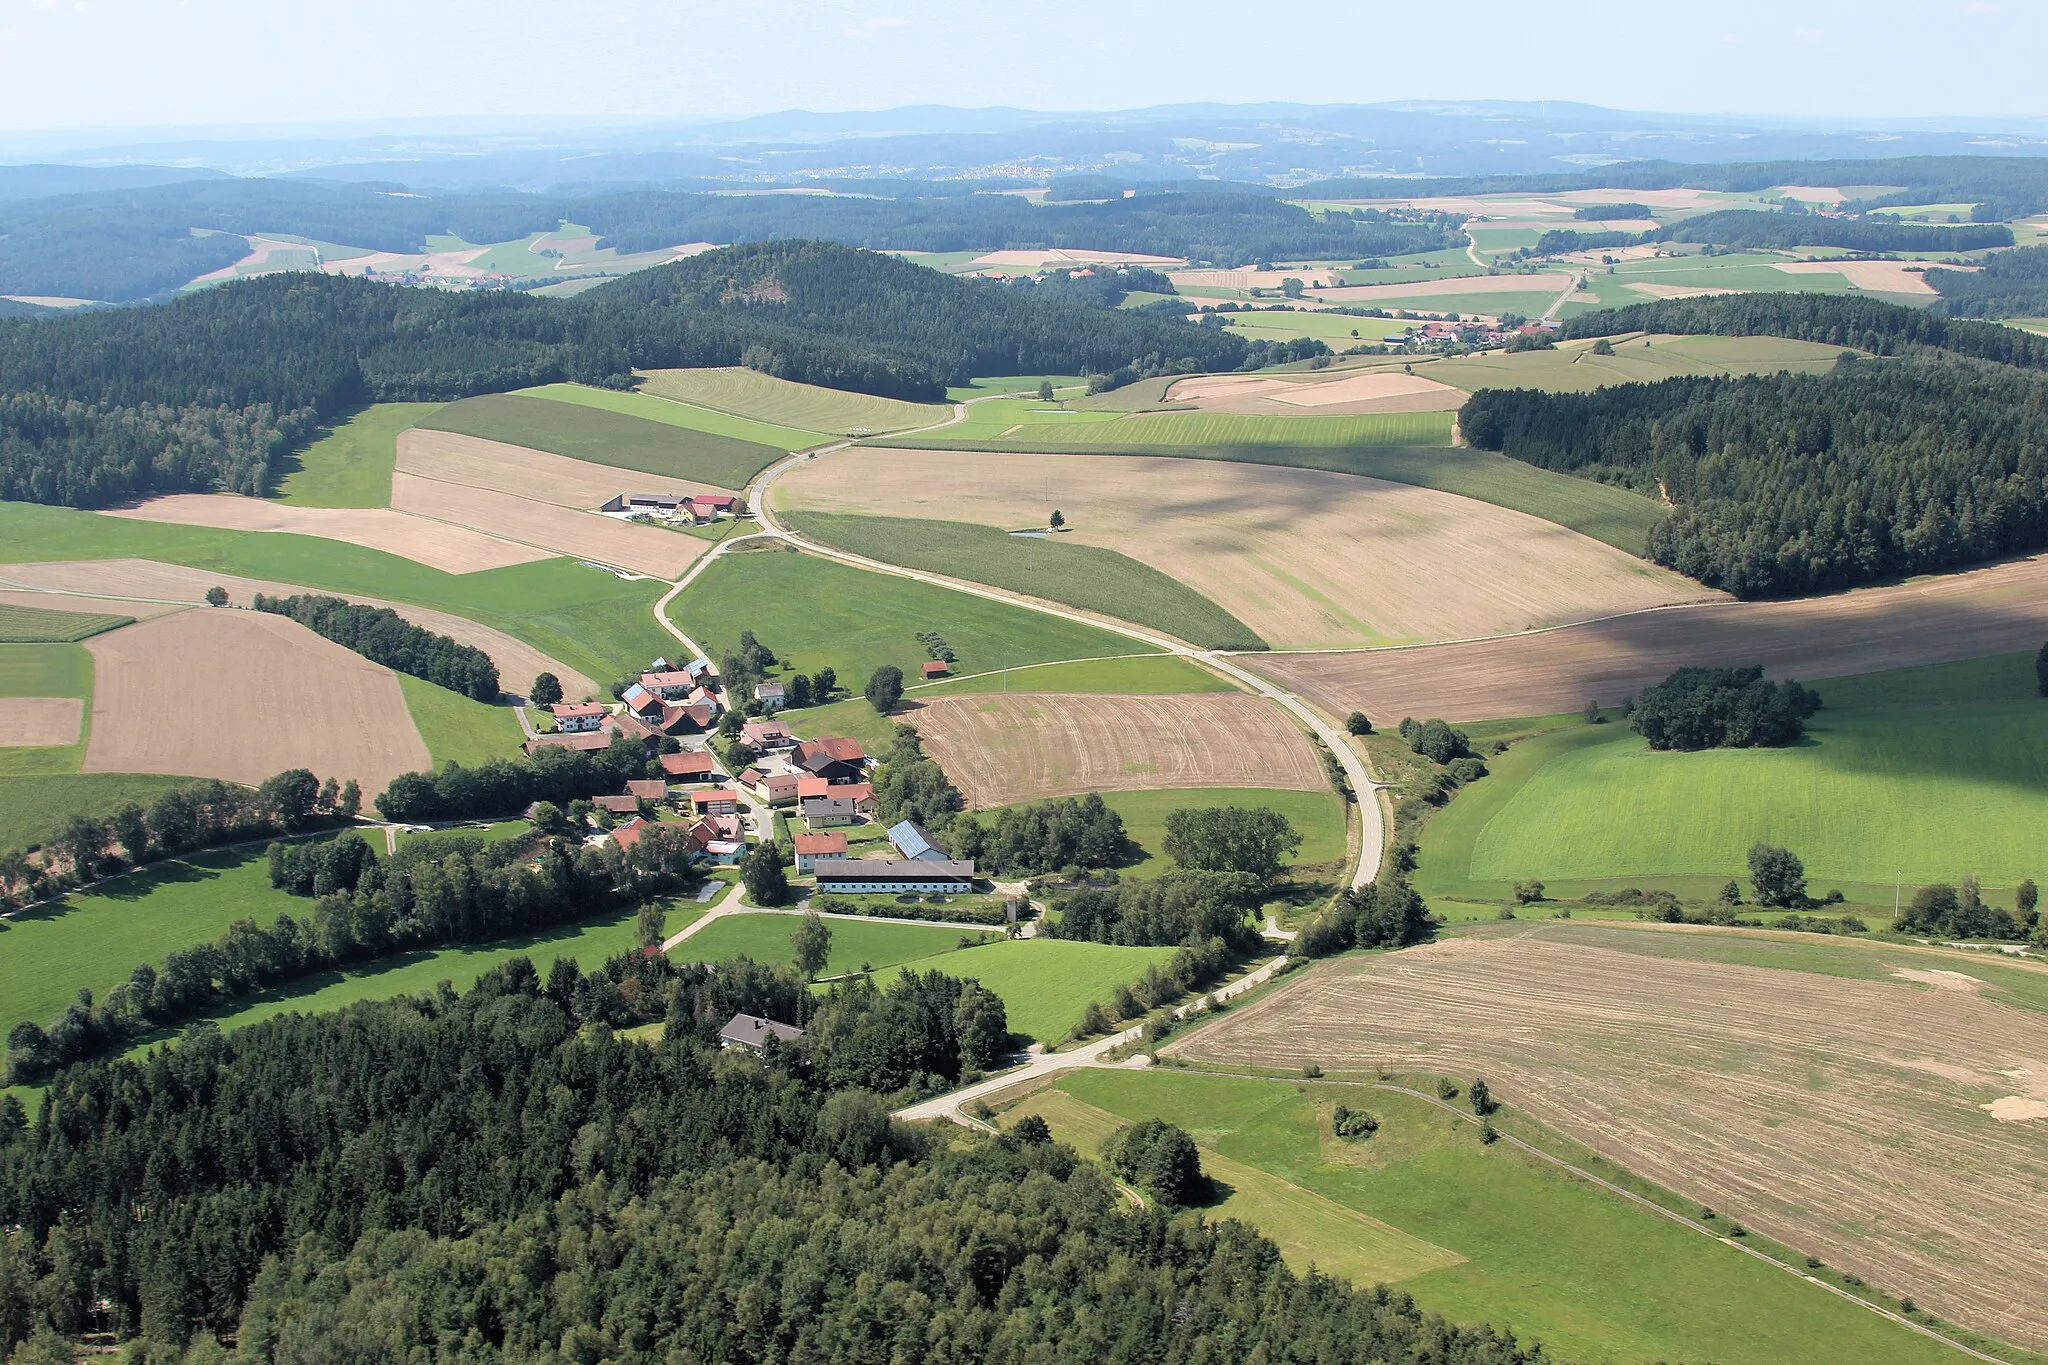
39	182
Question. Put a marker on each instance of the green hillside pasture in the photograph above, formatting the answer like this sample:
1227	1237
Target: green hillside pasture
764	398
1530	1248
1138	675
39	792
1937	772
765	938
1319	817
588	618
93	939
672	413
607	438
1182	433
36	625
814	612
1085	577
349	464
456	729
1045	983
1573	368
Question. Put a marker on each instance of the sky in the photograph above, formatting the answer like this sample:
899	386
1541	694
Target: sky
135	64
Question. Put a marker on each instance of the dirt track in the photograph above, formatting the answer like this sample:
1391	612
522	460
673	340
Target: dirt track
1848	1117
1934	620
240	695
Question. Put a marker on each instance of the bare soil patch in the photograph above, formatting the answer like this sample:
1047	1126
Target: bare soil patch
1678	291
1306	558
39	722
1992	610
1885	277
1026	746
240	695
1796	1103
555	529
145	588
448	548
1373	392
1470	284
473	462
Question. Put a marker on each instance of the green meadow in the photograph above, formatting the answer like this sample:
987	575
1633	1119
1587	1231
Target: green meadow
37	625
36	801
456	729
33	797
1319	817
349	464
856	944
1477	1232
588	618
1138	674
814	612
649	406
1049	567
1045	983
1929	773
808	408
602	436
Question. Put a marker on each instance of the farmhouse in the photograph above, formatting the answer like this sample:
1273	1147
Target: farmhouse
718	839
689	766
809	787
621	804
812	849
642	703
588	741
699	668
647	789
835	759
628	834
823	812
777	789
669	686
767	734
867	876
770	695
862	794
915	843
720	802
661	503
753	1032
576	717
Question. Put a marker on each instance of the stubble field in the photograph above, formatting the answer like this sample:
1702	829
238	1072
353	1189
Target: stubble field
1845	1107
451	549
1307	559
550	527
241	695
1003	748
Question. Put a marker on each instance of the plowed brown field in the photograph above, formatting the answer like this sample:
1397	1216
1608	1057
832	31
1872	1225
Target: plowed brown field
39	722
451	549
240	695
1934	620
1027	746
1852	1118
143	588
556	529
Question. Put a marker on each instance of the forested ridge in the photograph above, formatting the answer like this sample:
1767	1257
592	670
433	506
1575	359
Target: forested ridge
2011	284
1765	228
500	1177
209	391
1864	324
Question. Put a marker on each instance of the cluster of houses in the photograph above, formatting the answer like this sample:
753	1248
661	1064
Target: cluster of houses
693	509
667	699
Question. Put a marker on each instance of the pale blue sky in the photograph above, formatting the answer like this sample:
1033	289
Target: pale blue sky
154	63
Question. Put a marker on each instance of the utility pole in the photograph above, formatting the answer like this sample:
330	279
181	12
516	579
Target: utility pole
1897	889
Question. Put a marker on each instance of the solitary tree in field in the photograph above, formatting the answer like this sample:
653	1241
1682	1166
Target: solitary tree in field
810	945
216	596
546	690
885	688
1057	519
2027	897
1777	875
1045	390
1357	724
1481	1097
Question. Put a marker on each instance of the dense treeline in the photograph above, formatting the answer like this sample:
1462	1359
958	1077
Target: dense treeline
1783	231
1794	483
2012	284
209	391
1950	911
1043	836
910	785
1385	913
194	816
1722	708
383	636
1887	329
1558	241
1176	909
506	785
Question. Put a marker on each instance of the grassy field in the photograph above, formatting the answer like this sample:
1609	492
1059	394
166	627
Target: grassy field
42	670
1014	383
587	618
1477	1232
1319	817
93	939
35	802
457	729
1004	425
45	670
669	412
815	612
855	944
1573	368
349	464
35	625
1086	577
1045	983
1140	674
1934	772
764	398
609	438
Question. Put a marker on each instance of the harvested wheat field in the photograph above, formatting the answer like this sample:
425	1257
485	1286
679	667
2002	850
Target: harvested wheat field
1308	559
451	549
1851	1115
555	529
144	588
471	462
1678	291
1934	620
1052	258
1025	746
240	695
1378	391
1461	285
1885	277
39	722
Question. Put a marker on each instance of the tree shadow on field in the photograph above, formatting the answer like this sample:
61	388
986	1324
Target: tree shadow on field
1214	1192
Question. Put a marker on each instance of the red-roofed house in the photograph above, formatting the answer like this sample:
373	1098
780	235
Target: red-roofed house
628	834
689	766
719	802
836	759
808	787
577	717
777	789
815	848
669	686
620	804
862	794
647	789
767	734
